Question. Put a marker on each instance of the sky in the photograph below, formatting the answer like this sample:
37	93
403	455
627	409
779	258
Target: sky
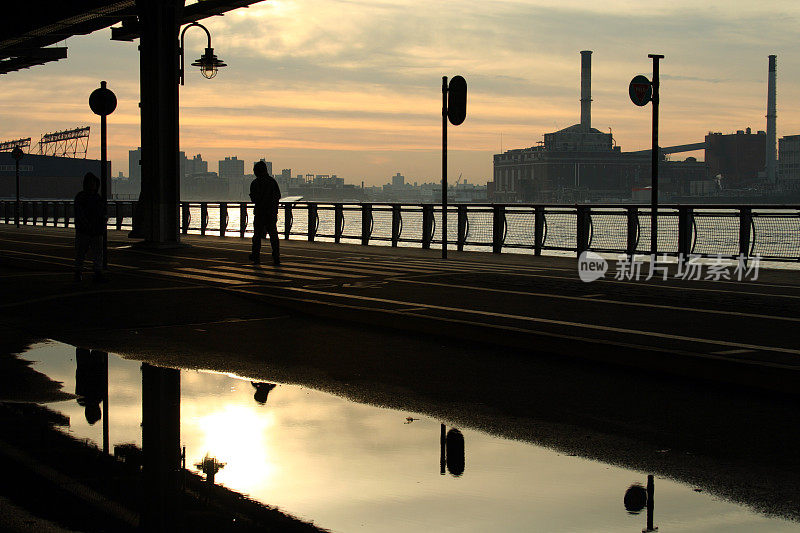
353	88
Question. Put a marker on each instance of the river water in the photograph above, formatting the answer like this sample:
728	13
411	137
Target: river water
775	233
355	467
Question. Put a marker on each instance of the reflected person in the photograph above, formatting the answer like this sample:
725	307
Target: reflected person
265	193
262	391
90	382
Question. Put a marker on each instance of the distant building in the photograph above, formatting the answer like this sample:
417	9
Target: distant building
284	177
269	166
46	177
736	160
135	165
577	163
231	169
205	186
398	180
583	164
789	162
195	165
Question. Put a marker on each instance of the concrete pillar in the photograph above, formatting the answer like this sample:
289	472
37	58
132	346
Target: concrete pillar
158	60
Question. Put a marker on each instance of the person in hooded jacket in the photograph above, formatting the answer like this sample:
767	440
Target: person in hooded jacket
90	221
265	193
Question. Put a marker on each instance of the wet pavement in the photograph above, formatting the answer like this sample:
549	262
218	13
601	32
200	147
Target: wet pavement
539	416
350	466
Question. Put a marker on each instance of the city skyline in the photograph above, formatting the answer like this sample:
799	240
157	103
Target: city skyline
362	98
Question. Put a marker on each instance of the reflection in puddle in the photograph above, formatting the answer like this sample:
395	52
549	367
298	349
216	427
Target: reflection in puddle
349	466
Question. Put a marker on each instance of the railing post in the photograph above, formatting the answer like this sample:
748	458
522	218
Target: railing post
338	222
633	231
538	229
33	212
366	223
223	218
427	225
583	228
120	214
287	220
185	217
396	224
684	232
745	221
203	217
312	221
498	228
67	212
45	212
242	219
461	237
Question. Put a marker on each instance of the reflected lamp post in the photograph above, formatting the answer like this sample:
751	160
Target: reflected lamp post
209	63
638	497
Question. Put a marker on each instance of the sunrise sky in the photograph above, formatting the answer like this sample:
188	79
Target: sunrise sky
354	87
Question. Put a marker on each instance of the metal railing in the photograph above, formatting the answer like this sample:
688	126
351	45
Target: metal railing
773	231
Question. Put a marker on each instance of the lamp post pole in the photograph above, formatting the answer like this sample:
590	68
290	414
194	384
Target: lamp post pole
103	102
654	162
444	167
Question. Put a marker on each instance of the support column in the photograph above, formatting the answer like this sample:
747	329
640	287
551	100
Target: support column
158	60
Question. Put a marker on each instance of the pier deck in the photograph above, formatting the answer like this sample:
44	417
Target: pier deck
740	332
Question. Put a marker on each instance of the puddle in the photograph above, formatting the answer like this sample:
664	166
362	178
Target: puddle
349	466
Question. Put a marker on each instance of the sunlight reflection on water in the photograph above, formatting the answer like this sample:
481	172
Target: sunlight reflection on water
350	466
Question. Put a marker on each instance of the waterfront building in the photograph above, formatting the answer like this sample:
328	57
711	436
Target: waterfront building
231	169
134	165
46	177
789	162
736	160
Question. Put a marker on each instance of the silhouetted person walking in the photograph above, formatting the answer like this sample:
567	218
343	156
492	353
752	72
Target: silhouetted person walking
265	193
90	221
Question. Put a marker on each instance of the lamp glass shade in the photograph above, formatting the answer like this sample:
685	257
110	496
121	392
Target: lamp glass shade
209	71
209	64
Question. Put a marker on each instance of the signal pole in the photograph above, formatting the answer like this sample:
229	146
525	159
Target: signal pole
444	167
654	162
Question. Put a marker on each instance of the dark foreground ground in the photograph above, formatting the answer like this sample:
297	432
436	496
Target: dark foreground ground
515	346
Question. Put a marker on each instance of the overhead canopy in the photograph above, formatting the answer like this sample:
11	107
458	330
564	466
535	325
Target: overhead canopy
28	27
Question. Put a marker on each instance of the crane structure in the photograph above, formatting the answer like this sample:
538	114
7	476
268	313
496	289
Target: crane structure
66	143
22	144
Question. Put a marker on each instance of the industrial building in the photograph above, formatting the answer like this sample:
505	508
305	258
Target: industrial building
583	164
789	163
54	173
45	177
738	160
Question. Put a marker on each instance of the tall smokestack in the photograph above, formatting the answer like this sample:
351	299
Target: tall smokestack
772	115
586	90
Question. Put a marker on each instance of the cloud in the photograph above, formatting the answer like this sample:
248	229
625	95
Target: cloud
364	77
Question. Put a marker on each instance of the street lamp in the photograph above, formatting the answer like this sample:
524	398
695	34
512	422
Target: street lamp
209	63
